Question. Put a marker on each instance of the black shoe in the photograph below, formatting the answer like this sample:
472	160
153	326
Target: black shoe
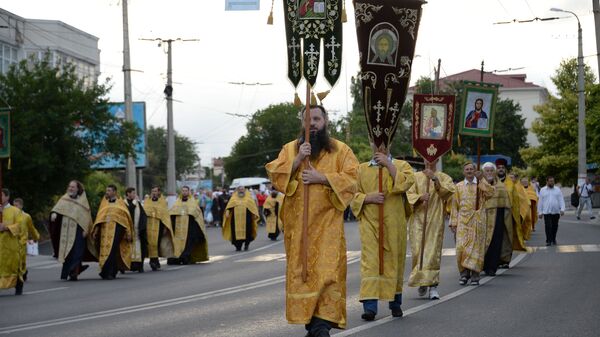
490	273
504	266
238	249
19	288
25	276
592	218
246	246
554	243
578	218
83	267
368	315
548	244
463	280
73	278
397	312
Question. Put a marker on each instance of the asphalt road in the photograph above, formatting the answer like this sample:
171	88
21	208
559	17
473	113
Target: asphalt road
547	292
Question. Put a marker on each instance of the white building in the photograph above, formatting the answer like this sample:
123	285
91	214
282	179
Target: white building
512	86
22	38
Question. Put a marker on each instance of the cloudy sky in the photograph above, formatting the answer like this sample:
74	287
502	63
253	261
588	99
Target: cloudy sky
240	47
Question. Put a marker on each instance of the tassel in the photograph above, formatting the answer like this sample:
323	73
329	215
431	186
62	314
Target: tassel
322	95
459	141
9	163
344	16
313	99
297	101
492	144
414	153
452	153
270	19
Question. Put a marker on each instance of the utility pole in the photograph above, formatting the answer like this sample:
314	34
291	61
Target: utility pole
130	180
596	7
171	178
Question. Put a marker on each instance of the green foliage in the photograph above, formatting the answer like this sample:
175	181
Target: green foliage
51	108
95	188
267	131
453	165
186	157
556	128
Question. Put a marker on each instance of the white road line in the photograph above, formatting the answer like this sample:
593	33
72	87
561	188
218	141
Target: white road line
428	305
44	290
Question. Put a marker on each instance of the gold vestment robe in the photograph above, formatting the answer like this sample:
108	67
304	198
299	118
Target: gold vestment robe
514	237
29	231
238	206
324	293
182	210
10	248
533	200
429	275
75	212
157	212
274	220
500	199
372	285
471	225
110	215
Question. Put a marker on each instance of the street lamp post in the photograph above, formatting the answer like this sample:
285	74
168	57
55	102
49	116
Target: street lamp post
581	146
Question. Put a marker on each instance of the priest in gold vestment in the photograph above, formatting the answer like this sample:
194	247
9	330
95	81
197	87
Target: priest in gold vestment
320	302
272	212
190	233
111	235
11	230
139	237
158	228
533	200
29	232
241	219
70	223
441	189
468	221
397	177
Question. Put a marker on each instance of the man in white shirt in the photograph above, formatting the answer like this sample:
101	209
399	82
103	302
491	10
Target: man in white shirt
584	191
551	206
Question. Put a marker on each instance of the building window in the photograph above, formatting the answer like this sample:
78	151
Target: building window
8	56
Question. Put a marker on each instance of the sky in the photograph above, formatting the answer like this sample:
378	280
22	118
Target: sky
241	47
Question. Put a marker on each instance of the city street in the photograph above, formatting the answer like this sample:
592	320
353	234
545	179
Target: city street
550	291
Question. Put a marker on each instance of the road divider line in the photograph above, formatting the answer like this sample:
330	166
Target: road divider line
44	290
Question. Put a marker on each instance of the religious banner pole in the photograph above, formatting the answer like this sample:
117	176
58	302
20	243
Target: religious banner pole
304	245
381	233
427	165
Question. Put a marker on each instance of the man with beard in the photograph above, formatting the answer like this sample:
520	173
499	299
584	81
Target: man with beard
190	234
498	217
272	211
29	231
514	235
139	245
241	219
11	230
112	235
441	189
467	221
158	228
551	207
320	302
70	223
397	177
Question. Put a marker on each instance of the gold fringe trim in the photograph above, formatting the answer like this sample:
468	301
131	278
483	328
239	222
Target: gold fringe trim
313	99
344	16
492	144
459	144
297	101
322	95
9	163
270	18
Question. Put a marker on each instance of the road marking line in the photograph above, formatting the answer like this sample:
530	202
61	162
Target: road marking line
44	290
428	305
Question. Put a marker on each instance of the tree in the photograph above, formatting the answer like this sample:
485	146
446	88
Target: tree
95	188
556	128
57	122
186	158
267	131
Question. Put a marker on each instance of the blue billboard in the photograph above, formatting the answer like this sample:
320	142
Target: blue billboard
139	118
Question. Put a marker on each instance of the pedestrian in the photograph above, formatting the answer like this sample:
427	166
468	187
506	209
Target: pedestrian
112	235
261	197
272	212
468	222
11	230
70	225
428	244
551	207
376	283
159	229
190	231
139	245
318	299
216	209
208	216
29	231
585	191
240	219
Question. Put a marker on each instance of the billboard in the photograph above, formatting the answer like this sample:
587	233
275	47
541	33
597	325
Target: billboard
139	118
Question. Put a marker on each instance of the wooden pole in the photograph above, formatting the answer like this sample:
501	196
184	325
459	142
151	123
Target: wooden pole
304	243
427	165
381	224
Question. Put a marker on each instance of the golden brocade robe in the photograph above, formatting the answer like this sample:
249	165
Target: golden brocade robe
520	208
110	215
323	295
29	231
157	212
273	220
182	210
500	199
238	206
372	285
75	212
429	275
10	248
533	200
471	225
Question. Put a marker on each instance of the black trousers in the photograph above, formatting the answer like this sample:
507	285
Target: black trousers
113	261
551	222
75	256
494	251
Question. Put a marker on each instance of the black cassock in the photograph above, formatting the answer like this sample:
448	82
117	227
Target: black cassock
238	243
141	234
